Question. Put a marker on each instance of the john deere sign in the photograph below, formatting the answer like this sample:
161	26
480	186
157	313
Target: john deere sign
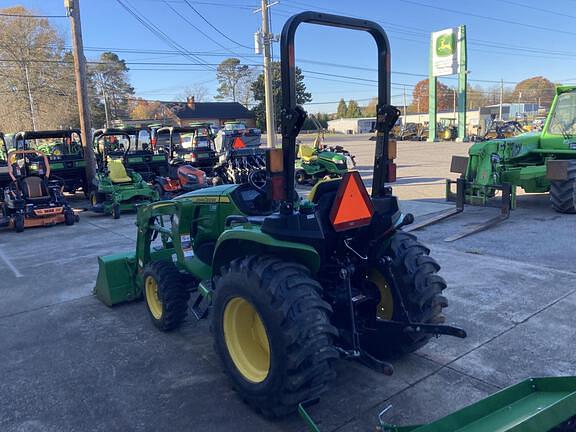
448	57
445	45
445	55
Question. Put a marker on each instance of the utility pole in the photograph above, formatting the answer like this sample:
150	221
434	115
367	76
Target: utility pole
404	103
454	104
501	97
30	100
73	11
269	100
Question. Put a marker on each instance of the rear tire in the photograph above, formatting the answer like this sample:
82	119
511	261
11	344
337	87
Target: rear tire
416	275
166	295
278	305
19	222
563	193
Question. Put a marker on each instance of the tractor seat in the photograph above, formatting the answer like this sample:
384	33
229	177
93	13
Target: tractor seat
117	172
34	190
324	187
307	153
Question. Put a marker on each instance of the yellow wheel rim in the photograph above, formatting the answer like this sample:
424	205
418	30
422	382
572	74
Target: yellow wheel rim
154	302
94	200
385	309
246	340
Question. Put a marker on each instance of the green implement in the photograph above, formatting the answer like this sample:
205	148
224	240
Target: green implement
534	405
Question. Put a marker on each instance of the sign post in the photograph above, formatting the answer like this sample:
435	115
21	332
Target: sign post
447	57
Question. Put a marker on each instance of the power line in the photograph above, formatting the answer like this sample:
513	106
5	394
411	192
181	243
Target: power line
490	18
215	28
196	28
32	16
160	34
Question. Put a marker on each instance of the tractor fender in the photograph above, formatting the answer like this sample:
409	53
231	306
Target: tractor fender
246	240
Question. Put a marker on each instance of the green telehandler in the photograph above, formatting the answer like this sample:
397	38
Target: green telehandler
538	162
290	286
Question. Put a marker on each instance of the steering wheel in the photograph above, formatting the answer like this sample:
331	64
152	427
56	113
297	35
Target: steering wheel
257	179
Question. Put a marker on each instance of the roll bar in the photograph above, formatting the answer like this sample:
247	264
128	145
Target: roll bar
293	116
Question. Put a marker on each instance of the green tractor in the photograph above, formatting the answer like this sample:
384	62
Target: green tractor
290	285
115	188
314	164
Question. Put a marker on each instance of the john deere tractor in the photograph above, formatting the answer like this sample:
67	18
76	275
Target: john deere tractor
537	162
290	285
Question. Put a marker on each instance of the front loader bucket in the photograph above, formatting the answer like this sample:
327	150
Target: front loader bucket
116	281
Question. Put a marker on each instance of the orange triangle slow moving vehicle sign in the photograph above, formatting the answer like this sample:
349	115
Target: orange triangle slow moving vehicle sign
352	206
238	143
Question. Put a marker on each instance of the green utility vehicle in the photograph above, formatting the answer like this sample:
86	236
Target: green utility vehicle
64	151
5	178
291	290
116	189
193	145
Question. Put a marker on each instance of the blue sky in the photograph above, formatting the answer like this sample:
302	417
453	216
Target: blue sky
507	39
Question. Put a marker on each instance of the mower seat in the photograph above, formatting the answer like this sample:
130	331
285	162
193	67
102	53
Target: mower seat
307	153
34	190
117	172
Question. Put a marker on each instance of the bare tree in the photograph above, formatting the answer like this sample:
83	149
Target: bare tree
198	90
36	79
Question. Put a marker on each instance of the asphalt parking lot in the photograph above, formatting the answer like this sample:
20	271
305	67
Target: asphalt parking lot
69	363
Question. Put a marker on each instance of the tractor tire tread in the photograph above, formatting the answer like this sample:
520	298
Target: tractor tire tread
306	333
173	293
420	284
563	193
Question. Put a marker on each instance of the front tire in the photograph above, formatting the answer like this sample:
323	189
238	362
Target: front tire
301	177
563	193
272	333
166	295
69	217
415	273
116	211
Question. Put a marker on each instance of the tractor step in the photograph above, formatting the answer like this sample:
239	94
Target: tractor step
201	304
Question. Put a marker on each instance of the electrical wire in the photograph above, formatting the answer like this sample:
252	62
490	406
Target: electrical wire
214	27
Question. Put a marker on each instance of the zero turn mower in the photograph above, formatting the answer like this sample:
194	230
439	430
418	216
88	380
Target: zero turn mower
32	199
290	291
115	188
182	174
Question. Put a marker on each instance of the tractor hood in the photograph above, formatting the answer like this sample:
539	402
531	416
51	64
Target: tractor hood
210	194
